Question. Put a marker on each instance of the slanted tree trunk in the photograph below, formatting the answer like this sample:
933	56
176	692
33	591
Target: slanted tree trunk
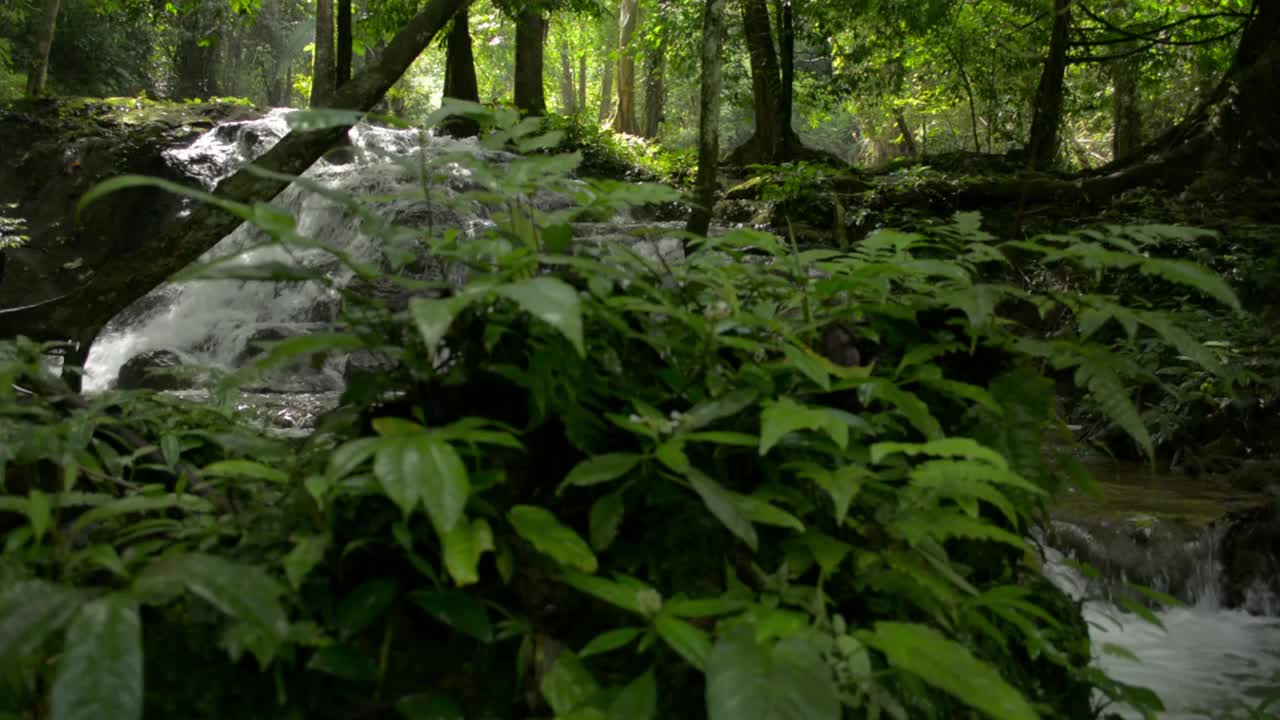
908	138
704	194
460	75
582	82
1126	115
1042	146
345	51
624	119
531	30
179	239
323	77
654	78
568	94
45	29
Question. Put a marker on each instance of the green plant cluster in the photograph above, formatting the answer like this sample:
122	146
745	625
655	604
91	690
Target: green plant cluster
601	481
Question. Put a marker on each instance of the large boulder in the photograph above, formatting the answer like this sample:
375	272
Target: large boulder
151	370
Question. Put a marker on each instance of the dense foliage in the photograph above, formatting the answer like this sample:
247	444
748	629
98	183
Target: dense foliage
713	477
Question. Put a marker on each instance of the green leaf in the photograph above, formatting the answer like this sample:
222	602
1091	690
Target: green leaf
955	447
626	593
246	469
787	680
550	536
39	512
842	484
100	673
30	611
171	449
601	469
950	667
421	468
429	706
433	317
637	701
808	366
1109	391
463	547
609	641
605	520
344	661
553	301
458	610
244	592
787	416
723	505
568	684
707	412
1194	276
690	642
364	605
349	456
307	552
764	513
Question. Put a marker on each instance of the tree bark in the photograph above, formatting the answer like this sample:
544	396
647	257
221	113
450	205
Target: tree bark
323	77
787	59
766	143
342	68
1126	115
705	184
1042	147
39	72
568	93
655	80
624	119
178	240
460	75
606	77
582	82
531	28
908	138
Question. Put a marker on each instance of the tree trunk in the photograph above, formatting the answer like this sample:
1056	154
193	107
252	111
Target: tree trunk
1126	116
1042	147
342	69
908	138
323	75
530	33
460	75
766	142
654	80
39	73
582	82
624	119
705	184
787	57
195	67
606	77
179	239
568	93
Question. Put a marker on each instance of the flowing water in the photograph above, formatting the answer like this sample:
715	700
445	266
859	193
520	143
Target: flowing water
1206	657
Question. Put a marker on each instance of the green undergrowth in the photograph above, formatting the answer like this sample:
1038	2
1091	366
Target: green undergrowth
595	482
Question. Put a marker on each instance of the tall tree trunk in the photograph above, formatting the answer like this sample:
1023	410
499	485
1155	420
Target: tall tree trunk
460	75
39	72
654	78
582	82
195	67
705	184
908	138
568	94
342	68
606	76
787	58
1042	147
624	120
1126	115
531	30
323	75
765	144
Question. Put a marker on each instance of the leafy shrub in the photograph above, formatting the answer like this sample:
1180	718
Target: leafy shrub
601	481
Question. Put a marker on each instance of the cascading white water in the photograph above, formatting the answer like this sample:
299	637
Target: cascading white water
1207	661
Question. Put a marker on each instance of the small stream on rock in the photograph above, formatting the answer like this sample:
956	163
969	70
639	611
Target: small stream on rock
1169	533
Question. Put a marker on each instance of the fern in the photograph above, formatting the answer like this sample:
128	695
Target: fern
1108	390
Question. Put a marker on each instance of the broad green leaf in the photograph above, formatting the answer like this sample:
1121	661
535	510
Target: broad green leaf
350	455
950	667
307	552
723	505
345	661
550	536
362	607
458	610
808	366
433	317
787	416
601	469
709	411
246	469
244	592
429	706
553	301
626	593
637	701
605	519
100	672
30	611
842	484
759	511
463	547
690	642
609	641
171	449
787	680
421	468
39	512
568	684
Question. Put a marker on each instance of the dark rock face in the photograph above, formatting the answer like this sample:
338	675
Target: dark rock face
364	363
1250	557
253	347
145	371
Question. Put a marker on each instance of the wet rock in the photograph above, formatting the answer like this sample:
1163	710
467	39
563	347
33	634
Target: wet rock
254	346
147	371
1250	558
1142	550
294	382
363	364
1255	475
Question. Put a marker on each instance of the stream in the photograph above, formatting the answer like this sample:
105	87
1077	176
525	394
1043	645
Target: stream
1208	658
